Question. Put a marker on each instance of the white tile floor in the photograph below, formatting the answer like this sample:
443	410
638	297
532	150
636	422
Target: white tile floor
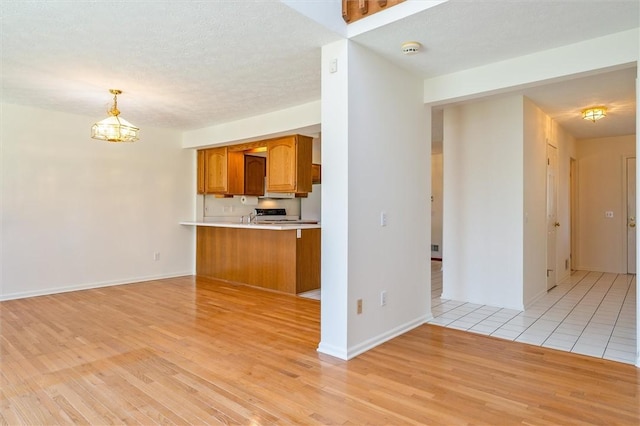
590	313
313	294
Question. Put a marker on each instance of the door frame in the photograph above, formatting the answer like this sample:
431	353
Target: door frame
573	214
552	265
625	217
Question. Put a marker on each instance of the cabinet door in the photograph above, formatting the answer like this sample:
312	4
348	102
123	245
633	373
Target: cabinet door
216	171
304	148
201	172
235	173
316	173
254	170
281	165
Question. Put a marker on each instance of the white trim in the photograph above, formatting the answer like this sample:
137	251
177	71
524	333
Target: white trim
89	286
568	62
333	351
352	352
625	214
535	299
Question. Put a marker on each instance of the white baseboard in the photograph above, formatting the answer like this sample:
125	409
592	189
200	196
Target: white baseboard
87	286
534	299
352	352
333	351
596	269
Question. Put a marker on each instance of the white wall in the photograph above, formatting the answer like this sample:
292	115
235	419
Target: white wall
483	202
304	119
335	192
600	188
537	129
535	137
80	213
375	158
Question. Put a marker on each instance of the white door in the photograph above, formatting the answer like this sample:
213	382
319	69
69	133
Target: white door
552	214
631	215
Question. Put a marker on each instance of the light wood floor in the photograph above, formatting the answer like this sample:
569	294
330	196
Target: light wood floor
184	352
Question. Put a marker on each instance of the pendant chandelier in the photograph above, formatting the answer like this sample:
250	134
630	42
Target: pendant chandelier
114	128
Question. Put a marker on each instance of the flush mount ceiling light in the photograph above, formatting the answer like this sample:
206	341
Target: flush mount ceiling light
114	128
594	113
411	47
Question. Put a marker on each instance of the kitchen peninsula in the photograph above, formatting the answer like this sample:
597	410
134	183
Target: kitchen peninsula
281	257
272	251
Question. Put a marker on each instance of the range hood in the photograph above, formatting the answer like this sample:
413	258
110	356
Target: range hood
276	194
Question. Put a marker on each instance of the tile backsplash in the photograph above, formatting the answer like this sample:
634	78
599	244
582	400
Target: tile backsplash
209	206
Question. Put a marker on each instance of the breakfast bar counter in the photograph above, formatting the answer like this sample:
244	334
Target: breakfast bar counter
282	257
271	225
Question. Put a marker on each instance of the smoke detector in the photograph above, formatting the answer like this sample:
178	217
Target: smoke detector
411	47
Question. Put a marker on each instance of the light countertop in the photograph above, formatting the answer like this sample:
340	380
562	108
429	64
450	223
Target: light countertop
273	227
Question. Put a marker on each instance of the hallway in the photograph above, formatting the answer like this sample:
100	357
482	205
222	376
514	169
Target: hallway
589	313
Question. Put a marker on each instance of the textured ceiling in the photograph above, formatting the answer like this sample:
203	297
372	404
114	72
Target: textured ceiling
193	63
462	34
182	64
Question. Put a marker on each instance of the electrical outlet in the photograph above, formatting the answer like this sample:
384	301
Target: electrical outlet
383	298
156	255
359	309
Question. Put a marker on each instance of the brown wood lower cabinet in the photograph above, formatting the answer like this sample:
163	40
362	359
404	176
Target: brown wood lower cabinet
271	259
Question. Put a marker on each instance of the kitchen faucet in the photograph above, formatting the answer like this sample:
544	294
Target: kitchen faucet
252	217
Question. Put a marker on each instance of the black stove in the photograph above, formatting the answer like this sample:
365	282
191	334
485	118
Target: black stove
270	213
276	216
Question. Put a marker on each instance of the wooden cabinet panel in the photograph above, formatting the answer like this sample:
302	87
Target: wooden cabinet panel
221	171
316	173
235	173
276	260
281	165
289	164
201	172
254	170
216	170
308	261
231	171
354	10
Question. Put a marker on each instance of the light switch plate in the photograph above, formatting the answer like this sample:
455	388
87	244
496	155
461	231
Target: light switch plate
333	66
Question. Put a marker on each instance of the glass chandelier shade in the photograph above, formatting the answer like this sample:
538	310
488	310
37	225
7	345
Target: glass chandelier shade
114	128
594	113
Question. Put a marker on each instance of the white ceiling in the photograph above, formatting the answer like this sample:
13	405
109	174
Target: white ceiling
192	63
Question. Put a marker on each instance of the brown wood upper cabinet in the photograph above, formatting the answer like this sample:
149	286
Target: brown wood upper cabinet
225	172
202	172
254	173
289	164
